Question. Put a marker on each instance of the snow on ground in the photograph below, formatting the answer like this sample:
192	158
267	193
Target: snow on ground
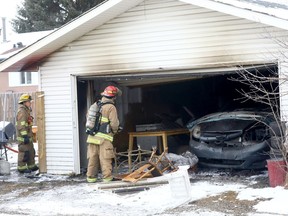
275	199
86	199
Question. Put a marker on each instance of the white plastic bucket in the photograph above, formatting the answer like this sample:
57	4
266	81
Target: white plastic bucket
179	183
4	167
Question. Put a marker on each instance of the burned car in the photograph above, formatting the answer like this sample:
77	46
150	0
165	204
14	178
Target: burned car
236	140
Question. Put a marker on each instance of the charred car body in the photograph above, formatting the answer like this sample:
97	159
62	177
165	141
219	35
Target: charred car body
236	140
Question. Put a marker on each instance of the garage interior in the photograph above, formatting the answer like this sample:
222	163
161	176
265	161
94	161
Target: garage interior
168	101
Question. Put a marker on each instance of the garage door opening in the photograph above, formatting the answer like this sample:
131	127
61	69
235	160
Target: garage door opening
168	101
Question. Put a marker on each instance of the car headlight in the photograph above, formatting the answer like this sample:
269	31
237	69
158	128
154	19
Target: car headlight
196	133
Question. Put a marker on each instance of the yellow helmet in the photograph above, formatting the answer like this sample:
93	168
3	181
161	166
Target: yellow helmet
24	98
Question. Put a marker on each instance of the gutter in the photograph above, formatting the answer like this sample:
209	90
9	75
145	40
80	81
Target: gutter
240	12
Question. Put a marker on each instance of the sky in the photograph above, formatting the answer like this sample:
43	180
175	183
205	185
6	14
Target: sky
8	9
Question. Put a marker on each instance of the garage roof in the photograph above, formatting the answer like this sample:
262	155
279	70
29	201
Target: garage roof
267	12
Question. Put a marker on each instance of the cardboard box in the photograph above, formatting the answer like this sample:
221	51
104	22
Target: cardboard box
146	143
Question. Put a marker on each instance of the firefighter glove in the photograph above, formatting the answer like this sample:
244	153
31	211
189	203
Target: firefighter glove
89	132
120	128
26	139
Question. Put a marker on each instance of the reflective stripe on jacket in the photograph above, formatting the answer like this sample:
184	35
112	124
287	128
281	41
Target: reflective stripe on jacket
21	139
98	138
104	120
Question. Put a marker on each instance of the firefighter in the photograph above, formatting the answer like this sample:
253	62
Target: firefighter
100	151
24	122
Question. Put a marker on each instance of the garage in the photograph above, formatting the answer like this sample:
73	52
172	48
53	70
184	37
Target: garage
172	59
169	100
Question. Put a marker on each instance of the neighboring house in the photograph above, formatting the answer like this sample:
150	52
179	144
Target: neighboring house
25	81
165	55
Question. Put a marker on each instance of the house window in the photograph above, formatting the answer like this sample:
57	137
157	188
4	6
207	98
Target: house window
25	78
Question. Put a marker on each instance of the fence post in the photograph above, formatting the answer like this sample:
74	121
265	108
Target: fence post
40	116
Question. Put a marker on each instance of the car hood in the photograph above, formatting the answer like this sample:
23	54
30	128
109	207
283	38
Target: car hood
240	115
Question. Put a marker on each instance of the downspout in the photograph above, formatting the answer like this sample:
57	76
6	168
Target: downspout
2	139
4	29
4	114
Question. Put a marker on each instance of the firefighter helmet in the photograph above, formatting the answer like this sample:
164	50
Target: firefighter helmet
111	91
24	97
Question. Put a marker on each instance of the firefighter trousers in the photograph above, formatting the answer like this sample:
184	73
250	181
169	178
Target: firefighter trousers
100	156
26	156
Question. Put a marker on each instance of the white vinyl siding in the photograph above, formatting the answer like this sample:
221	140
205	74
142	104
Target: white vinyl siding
156	35
58	120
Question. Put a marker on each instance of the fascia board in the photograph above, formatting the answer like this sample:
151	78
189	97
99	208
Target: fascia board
240	12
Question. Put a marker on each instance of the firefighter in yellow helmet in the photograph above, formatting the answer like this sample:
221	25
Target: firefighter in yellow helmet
100	151
24	122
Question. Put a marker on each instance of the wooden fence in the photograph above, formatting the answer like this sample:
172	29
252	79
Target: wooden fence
9	106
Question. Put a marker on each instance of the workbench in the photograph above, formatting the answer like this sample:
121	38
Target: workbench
160	134
161	145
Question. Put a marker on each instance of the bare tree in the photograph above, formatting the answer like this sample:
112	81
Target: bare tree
264	88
